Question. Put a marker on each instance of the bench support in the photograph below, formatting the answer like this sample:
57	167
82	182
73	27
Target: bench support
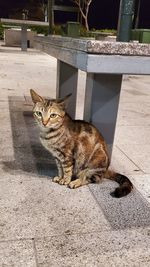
101	98
67	77
24	37
101	103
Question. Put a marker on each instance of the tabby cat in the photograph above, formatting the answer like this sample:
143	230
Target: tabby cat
77	146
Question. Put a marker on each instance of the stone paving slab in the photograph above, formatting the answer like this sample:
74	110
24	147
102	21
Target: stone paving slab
18	253
141	133
35	207
135	91
120	161
29	72
142	183
108	249
139	155
131	110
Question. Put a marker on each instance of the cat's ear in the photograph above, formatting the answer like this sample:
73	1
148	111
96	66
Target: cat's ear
64	101
35	97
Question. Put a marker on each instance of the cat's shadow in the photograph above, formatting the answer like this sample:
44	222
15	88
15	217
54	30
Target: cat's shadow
29	155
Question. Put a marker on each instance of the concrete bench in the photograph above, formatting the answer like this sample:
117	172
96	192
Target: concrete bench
102	36
12	37
24	25
104	64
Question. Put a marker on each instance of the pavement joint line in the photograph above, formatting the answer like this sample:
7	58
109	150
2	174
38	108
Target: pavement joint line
26	179
77	234
50	180
138	126
146	172
147	203
16	240
130	159
129	102
35	252
25	98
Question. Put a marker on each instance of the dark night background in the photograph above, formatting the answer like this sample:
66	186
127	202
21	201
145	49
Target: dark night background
102	14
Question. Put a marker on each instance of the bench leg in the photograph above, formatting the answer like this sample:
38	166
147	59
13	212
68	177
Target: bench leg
101	103
67	77
24	38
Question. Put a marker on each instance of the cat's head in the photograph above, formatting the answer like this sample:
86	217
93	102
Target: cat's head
49	113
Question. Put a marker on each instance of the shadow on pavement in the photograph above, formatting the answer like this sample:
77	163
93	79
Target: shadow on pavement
131	211
30	155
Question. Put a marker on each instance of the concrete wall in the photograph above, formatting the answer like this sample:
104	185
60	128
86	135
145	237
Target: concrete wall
12	37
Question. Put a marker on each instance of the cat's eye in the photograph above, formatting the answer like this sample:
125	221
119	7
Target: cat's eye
53	115
38	113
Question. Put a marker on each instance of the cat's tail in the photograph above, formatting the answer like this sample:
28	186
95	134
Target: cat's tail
125	185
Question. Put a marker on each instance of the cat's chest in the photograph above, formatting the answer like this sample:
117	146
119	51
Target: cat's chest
48	144
44	142
51	147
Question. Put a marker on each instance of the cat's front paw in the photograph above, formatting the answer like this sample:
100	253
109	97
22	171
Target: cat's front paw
56	179
65	181
75	184
62	181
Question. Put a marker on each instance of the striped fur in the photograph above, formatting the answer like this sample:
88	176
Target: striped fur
77	146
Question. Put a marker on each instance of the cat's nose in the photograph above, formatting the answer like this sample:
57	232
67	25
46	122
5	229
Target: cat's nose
45	122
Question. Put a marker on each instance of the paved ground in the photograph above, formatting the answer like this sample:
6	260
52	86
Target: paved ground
43	224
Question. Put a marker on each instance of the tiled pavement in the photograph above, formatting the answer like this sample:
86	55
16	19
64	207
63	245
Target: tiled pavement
43	224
